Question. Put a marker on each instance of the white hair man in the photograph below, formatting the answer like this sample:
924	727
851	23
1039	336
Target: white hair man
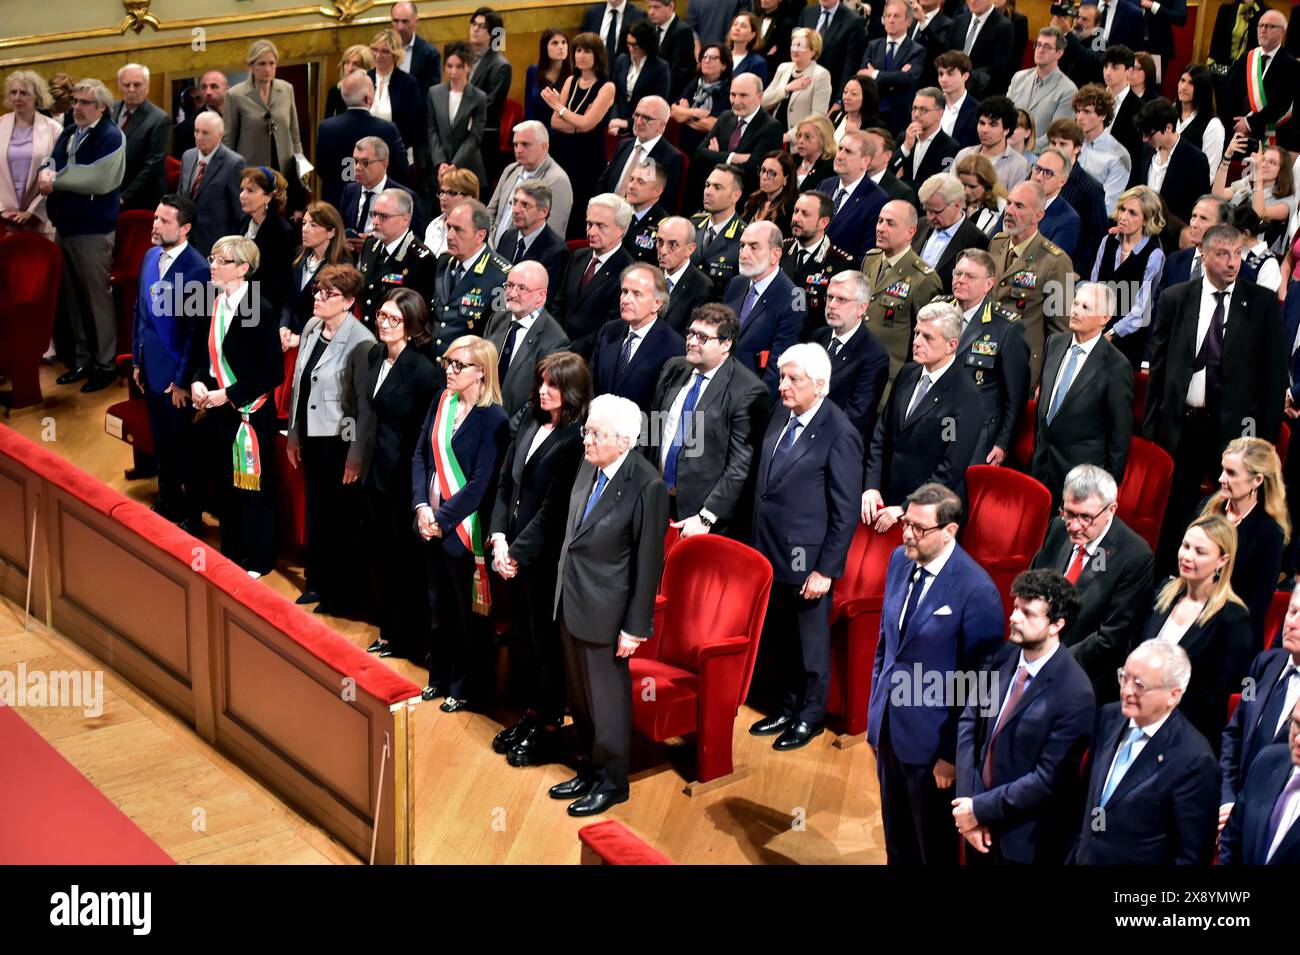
589	296
532	145
146	128
210	176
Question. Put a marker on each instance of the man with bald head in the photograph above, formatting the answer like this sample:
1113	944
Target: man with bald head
420	58
1255	110
742	136
646	143
688	287
337	135
145	127
209	97
524	333
210	176
901	282
770	311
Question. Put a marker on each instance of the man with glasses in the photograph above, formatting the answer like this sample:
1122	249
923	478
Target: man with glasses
533	161
688	287
631	350
1109	565
357	200
926	149
338	136
643	190
524	333
1043	90
1061	224
810	258
646	144
946	232
856	200
491	71
859	363
531	238
1262	84
1176	169
392	257
1153	783
468	285
704	448
941	617
765	302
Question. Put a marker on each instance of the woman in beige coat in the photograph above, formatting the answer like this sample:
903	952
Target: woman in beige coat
801	86
261	118
26	139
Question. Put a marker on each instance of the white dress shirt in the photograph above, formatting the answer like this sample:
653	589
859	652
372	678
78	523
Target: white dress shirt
932	571
382	107
1087	347
454	98
1196	388
950	113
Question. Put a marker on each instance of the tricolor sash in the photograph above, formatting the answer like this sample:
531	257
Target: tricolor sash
1256	98
246	456
450	480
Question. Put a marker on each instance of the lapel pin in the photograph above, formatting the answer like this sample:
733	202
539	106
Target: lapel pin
1160	757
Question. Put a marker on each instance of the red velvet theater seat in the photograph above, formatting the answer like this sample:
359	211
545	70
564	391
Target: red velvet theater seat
714	599
1275	616
1145	489
1006	523
134	238
512	114
291	496
855	624
30	266
1021	452
129	421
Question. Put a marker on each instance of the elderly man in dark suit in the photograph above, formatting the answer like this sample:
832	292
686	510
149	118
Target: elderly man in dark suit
947	231
214	190
1153	784
419	57
369	158
706	419
941	615
646	143
844	38
589	296
1019	750
631	350
1109	565
531	238
764	299
610	22
859	363
985	35
1085	402
1176	169
145	127
1262	829
524	334
336	137
809	468
1061	223
688	287
742	136
609	569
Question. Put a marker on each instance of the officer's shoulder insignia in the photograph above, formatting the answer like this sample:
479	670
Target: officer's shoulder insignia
923	267
945	299
838	251
1050	247
1003	312
1000	237
736	225
501	263
877	251
699	218
422	252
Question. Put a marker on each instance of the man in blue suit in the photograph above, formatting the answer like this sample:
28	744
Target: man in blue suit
896	63
1181	265
336	137
856	199
1153	783
166	343
1018	757
1061	223
808	472
941	617
632	350
370	157
1263	828
765	301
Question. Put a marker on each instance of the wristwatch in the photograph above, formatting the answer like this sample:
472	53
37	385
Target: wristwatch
706	519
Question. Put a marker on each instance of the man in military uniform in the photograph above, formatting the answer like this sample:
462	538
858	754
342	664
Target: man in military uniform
901	283
1033	273
470	277
993	351
718	227
644	189
810	258
392	256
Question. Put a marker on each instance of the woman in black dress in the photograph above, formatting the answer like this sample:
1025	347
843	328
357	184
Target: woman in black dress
527	532
580	115
552	68
323	243
773	200
262	196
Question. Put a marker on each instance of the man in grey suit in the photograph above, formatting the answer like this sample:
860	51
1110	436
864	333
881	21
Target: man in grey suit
711	19
533	161
490	72
524	333
210	176
608	575
1043	90
145	127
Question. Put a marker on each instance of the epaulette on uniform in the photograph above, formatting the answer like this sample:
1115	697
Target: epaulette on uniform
502	263
835	248
1051	247
1006	313
924	267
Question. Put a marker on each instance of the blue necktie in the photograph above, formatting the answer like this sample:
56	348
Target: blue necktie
1266	731
1121	764
601	481
840	194
624	358
679	436
751	299
914	598
1066	379
889	55
784	445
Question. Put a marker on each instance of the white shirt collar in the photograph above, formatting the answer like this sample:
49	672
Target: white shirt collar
465	263
849	189
1034	666
748	119
676	277
1087	346
648	145
391	247
1153	729
935	566
811	413
938	372
526	321
843	338
762	284
1208	289
611	469
175	251
602	257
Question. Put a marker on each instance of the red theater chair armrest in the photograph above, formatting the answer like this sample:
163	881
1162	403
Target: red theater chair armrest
1005	563
856	608
721	647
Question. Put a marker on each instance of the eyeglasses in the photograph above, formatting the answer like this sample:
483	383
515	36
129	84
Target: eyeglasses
517	287
597	436
769	173
214	260
364	163
1039	170
710	56
840	299
327	293
1138	685
917	530
454	366
644	117
451	192
1085	519
385	216
918	108
392	321
701	337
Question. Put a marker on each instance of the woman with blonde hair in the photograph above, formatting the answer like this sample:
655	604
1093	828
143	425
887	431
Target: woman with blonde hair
26	138
1199	611
1130	257
355	57
801	86
814	145
1252	496
986	197
454	185
262	118
453	479
398	97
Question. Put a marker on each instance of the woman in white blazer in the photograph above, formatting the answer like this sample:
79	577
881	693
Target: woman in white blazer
801	87
261	117
26	138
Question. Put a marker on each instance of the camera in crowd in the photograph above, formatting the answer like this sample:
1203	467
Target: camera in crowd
1066	10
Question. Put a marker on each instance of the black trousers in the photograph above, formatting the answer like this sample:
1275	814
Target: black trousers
917	814
459	645
799	633
1199	454
600	697
541	657
247	516
332	521
399	579
170	427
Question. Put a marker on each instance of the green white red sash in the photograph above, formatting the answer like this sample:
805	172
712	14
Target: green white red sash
1256	97
246	455
450	480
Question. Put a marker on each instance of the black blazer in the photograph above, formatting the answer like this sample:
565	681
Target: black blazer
145	178
664	153
276	248
594	15
335	139
1095	422
1246	837
692	291
1166	808
728	424
859	376
492	75
1124	127
1220	651
938	158
898	85
991	54
965	131
252	348
544	337
426	64
655	79
350	205
895	188
1259	558
967	236
533	494
658	345
762	136
298	309
822	170
773	325
584	313
1186	179
1177	270
935	39
1252	375
1114	598
549	250
408	101
677	49
775	44
842	44
389	422
908	453
1244	738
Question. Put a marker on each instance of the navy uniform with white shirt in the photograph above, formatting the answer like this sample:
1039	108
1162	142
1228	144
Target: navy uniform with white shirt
720	261
993	351
639	240
467	296
406	263
811	271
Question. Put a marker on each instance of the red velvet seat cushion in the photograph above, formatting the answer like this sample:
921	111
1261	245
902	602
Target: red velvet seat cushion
618	845
129	420
674	709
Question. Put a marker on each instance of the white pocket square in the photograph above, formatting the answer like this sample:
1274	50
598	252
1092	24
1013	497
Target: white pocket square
944	611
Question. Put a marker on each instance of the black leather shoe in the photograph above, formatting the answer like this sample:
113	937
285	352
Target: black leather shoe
798	734
431	692
98	381
311	597
452	705
593	804
533	749
374	647
503	741
771	725
386	650
571	788
74	376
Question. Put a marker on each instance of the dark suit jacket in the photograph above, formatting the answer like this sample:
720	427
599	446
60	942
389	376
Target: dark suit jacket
595	15
297	311
544	337
1279	89
275	263
692	291
806	506
1114	596
1160	27
145	180
853	228
479	444
426	64
610	563
1254	572
1244	738
1088	198
1061	224
938	158
462	142
1186	179
1253	372
350	205
658	345
1224	22
967	236
655	79
775	45
1032	805
389	423
164	345
549	249
408	99
842	44
1128	29
727	426
492	75
1246	837
252	348
906	453
935	39
898	85
895	188
955	641
1177	270
859	376
1095	420
664	153
533	495
993	66
1166	808
1124	127
218	198
773	325
336	137
677	49
761	136
584	313
965	131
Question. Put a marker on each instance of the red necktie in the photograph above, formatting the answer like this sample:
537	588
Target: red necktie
736	133
586	276
125	120
1017	690
1076	565
198	178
